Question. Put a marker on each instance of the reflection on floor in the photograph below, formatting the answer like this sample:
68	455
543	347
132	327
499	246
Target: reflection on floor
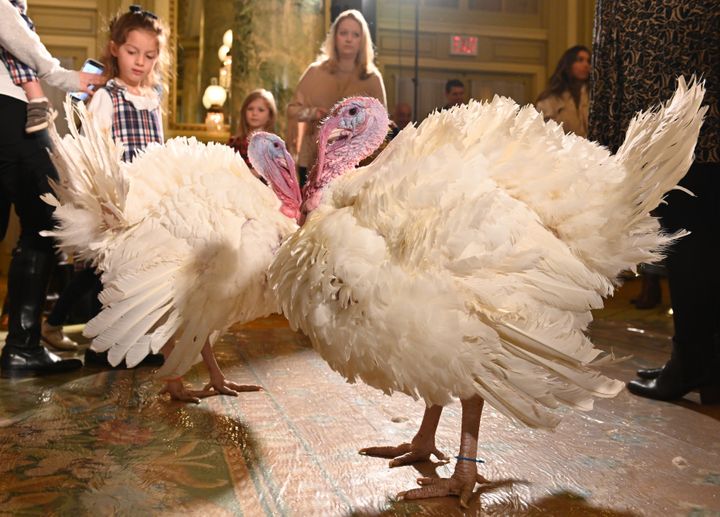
103	442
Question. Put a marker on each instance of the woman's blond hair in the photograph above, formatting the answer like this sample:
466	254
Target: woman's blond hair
267	96
120	26
365	58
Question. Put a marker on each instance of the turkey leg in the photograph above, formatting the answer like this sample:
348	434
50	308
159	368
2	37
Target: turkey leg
463	480
218	384
419	449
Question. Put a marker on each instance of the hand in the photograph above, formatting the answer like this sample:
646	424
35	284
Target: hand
88	79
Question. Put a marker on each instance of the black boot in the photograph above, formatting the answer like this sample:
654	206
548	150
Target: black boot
27	280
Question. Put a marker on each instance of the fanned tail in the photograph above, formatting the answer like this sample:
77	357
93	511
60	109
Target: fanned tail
92	189
656	154
659	145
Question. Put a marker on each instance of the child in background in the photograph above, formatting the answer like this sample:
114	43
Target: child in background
258	114
39	113
129	103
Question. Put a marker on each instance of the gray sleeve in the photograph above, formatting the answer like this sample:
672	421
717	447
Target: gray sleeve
17	38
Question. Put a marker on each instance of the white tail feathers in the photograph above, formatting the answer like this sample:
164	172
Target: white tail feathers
92	189
656	154
659	145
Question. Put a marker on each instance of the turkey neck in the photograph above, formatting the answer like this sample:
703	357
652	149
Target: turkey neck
326	169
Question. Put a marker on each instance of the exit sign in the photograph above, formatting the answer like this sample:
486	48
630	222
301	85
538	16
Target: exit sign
463	45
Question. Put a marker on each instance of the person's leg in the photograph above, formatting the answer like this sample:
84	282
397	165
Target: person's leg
650	291
694	285
33	90
24	170
692	270
83	282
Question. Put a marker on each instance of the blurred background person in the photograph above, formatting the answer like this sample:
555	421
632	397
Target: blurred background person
566	100
401	117
454	93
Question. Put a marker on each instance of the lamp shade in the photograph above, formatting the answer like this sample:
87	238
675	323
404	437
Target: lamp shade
214	95
223	51
227	38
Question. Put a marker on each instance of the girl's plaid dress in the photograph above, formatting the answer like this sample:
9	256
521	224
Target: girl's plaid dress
135	128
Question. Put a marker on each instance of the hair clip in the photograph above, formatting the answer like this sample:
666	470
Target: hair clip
137	9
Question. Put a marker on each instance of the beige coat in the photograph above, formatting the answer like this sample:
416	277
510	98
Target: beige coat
317	92
562	109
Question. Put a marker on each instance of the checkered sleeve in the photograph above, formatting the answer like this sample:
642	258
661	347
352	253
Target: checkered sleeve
19	71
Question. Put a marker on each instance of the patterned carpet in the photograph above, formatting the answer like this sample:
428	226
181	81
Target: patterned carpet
99	442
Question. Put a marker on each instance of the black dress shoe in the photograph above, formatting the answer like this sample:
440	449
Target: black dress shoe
100	360
649	373
37	361
668	386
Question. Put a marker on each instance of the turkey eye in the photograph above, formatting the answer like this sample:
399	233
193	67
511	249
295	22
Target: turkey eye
353	111
276	145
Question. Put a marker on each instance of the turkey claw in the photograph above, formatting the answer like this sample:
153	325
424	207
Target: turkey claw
226	387
179	392
443	487
404	454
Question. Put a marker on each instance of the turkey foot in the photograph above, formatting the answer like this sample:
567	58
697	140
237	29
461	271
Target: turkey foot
223	386
177	391
459	484
218	383
462	482
404	454
421	447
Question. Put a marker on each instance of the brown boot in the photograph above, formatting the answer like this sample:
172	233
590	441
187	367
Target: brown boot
55	337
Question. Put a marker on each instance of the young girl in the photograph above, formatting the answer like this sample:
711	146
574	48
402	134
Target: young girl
258	114
129	103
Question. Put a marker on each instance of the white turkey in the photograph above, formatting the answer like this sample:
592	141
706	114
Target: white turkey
183	236
463	263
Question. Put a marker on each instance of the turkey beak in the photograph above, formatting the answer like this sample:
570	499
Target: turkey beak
335	134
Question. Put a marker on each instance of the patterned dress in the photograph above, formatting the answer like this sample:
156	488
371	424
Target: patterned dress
136	128
640	47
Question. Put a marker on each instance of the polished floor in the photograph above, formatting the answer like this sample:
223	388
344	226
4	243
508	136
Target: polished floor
99	442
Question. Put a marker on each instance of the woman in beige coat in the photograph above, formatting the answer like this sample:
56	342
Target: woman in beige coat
344	68
566	99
